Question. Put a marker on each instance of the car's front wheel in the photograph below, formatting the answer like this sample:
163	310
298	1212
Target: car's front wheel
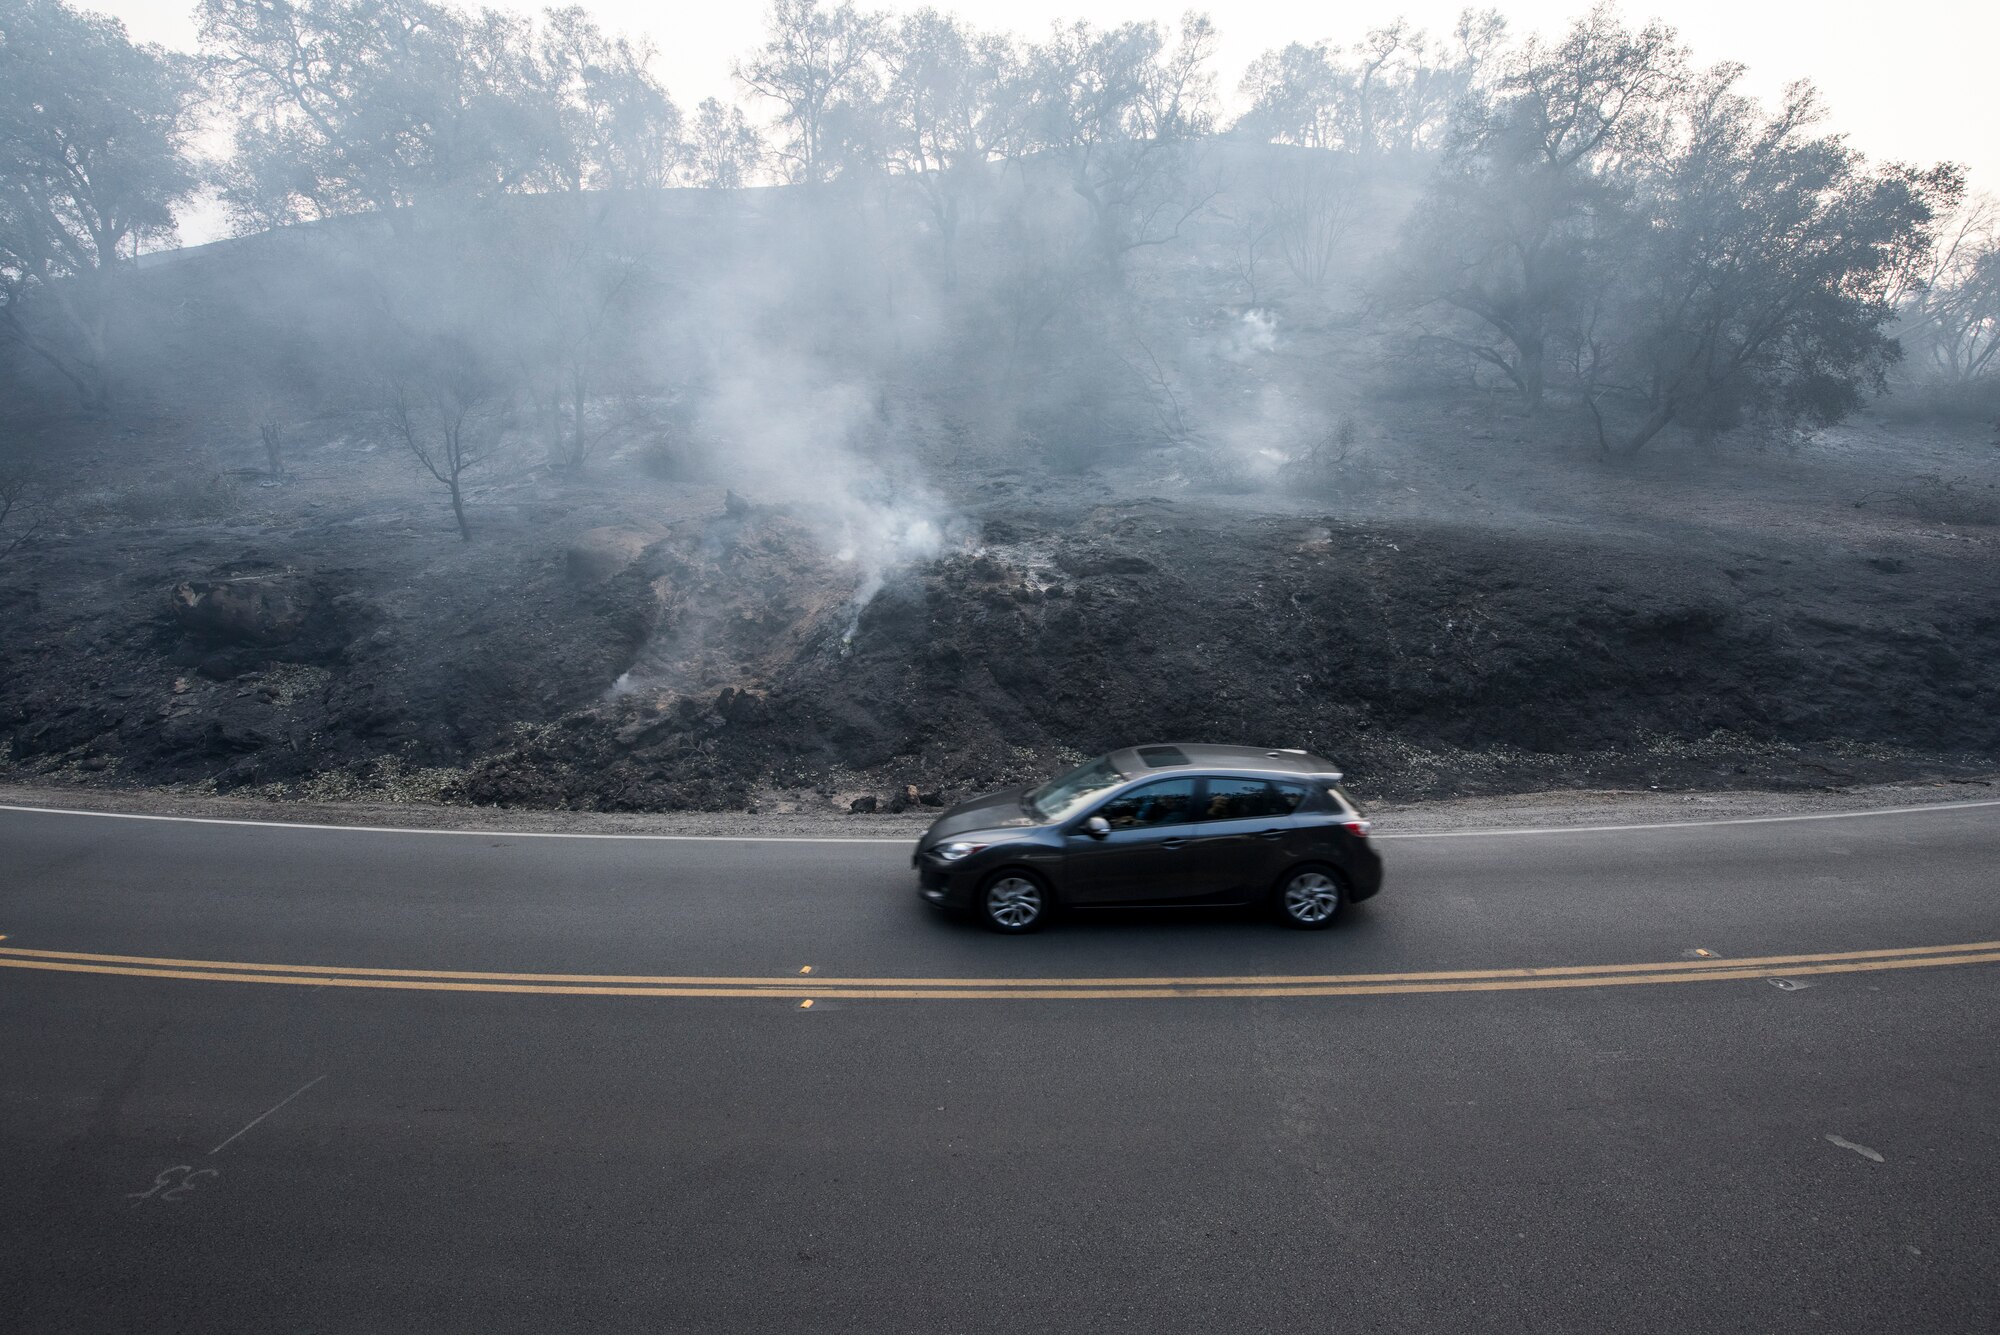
1013	901
1310	898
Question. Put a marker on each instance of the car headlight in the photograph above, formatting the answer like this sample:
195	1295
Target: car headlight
955	852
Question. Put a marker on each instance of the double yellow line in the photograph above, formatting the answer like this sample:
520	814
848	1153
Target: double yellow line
999	989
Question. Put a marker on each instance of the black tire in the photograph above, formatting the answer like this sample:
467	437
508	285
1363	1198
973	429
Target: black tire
1309	897
1013	901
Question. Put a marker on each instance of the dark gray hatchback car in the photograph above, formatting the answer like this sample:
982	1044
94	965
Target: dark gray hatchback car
1152	826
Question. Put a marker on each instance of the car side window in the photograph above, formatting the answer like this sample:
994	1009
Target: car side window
1289	796
1236	799
1168	802
1251	799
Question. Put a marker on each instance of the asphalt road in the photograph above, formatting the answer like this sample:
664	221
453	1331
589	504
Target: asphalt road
220	1111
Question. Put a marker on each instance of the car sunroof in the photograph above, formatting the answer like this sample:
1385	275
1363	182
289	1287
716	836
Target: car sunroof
1157	756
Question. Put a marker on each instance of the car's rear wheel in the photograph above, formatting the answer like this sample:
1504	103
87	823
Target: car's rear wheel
1013	901
1310	898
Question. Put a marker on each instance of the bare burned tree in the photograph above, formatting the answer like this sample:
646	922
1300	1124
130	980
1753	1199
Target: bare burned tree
444	407
1292	215
1252	232
271	432
576	368
1950	303
1314	206
24	512
580	268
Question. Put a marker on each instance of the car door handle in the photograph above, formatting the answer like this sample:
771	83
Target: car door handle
1272	834
1172	843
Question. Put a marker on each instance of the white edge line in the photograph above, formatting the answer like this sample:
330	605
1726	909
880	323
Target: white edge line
490	834
866	839
1690	824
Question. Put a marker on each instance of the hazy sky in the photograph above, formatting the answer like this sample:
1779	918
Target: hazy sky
1911	81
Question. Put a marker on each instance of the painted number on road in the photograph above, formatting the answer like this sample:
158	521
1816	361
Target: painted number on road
172	1183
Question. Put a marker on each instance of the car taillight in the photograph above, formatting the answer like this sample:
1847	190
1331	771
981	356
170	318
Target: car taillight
1357	827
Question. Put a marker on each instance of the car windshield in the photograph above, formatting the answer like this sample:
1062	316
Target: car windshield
1059	797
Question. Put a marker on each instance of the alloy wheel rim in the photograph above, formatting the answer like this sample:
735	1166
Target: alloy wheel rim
1014	902
1312	897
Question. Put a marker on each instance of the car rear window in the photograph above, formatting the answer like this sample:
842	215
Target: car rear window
1250	799
1291	796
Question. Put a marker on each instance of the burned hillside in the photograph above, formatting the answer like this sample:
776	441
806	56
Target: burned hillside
1008	404
720	659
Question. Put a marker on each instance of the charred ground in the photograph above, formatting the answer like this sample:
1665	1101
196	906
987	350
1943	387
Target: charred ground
621	642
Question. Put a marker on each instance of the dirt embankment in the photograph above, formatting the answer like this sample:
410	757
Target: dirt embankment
717	663
1433	660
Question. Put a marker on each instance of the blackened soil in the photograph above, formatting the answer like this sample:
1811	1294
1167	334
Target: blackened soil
422	663
1431	660
724	667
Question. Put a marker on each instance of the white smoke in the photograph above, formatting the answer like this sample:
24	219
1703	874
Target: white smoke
885	539
1256	332
1265	434
782	431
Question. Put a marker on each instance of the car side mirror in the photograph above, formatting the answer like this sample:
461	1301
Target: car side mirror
1097	827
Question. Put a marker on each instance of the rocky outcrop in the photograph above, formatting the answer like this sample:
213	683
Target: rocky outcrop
247	610
598	554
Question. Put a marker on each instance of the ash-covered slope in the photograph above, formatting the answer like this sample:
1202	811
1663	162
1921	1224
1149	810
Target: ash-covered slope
718	662
1431	659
